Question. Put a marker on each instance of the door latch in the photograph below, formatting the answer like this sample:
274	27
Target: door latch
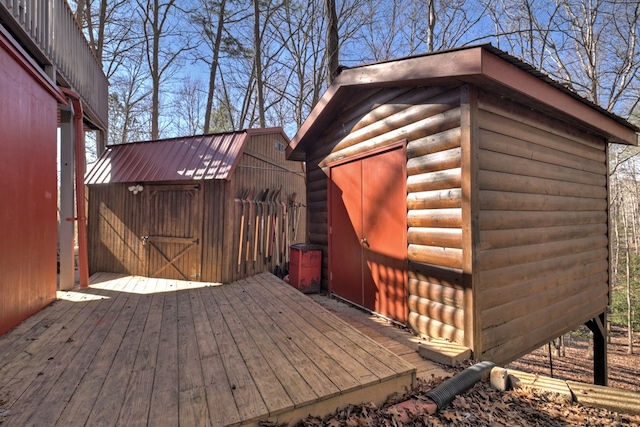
144	239
364	241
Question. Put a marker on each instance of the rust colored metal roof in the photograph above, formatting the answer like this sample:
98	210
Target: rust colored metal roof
200	157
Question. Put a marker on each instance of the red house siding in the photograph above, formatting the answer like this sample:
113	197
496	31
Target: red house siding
28	227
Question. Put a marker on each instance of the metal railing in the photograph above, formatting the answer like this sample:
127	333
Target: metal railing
49	31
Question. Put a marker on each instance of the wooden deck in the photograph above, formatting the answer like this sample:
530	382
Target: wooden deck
138	351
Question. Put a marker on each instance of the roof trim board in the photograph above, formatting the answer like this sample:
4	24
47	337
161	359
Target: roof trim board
480	65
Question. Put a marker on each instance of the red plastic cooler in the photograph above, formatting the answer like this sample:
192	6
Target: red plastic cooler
305	267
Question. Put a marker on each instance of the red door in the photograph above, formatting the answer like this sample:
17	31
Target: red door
368	232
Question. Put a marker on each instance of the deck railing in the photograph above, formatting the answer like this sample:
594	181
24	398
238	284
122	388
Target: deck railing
50	32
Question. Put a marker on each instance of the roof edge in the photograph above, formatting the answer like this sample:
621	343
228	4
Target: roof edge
473	63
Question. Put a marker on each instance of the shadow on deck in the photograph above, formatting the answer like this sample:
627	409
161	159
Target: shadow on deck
138	351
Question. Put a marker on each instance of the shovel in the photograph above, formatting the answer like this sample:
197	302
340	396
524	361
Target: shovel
242	200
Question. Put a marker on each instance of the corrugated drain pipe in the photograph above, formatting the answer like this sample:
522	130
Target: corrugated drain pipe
443	394
81	217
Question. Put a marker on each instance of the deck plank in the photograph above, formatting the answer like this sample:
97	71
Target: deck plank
54	380
339	349
264	379
113	390
167	352
245	393
266	340
99	354
165	395
383	361
222	405
193	402
293	325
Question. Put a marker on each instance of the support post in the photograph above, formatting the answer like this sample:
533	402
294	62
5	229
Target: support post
66	231
596	325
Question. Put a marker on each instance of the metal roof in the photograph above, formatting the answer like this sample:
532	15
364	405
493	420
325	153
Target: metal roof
189	158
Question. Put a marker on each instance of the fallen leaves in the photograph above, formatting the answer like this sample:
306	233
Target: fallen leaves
480	406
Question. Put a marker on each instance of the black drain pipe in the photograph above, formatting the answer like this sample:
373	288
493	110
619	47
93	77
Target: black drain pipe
443	394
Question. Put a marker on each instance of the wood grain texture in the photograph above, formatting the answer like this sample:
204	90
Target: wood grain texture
138	351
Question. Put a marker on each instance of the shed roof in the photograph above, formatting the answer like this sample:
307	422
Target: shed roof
188	158
483	65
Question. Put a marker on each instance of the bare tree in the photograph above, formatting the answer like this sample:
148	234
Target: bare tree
188	107
165	43
129	103
332	45
211	19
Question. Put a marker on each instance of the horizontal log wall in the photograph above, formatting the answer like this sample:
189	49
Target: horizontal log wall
542	254
429	119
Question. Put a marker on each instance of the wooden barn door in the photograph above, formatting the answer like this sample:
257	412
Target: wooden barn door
368	232
174	241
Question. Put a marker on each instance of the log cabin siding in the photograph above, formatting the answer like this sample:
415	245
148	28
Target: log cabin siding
428	118
542	252
507	188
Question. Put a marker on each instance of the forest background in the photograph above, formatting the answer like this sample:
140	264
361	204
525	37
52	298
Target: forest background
186	67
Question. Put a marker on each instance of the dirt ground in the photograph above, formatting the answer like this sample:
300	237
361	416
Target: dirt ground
624	369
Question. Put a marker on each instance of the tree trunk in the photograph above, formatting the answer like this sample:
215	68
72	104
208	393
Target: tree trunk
629	307
332	49
258	61
214	68
431	24
625	222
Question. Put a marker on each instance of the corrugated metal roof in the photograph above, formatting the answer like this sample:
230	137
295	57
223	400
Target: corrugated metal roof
200	157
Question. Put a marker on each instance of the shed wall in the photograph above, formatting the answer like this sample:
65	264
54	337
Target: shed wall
118	218
115	228
429	119
28	121
542	253
263	166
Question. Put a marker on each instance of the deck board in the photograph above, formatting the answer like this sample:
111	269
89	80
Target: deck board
137	351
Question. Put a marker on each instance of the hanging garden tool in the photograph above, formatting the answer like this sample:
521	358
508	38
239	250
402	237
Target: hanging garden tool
243	197
248	241
258	202
285	244
263	212
274	224
295	215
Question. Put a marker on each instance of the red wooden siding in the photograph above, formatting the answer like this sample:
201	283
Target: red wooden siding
28	121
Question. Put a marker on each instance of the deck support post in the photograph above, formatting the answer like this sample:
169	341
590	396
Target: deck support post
66	234
596	325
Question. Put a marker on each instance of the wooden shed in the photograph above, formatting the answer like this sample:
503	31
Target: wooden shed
464	194
214	207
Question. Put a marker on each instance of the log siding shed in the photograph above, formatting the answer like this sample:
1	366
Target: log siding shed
174	208
505	181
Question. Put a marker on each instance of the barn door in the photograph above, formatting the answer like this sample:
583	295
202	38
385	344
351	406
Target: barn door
368	232
174	241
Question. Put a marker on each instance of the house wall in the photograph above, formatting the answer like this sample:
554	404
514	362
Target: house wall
542	254
429	120
263	165
28	122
